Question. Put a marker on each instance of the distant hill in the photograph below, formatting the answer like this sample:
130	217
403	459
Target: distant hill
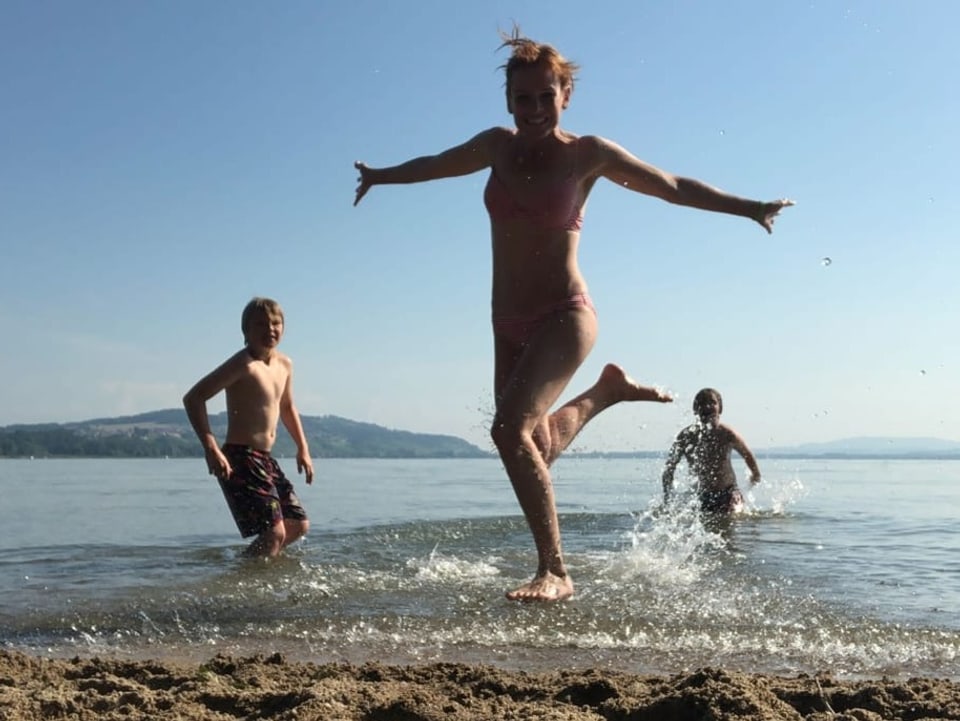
167	433
870	447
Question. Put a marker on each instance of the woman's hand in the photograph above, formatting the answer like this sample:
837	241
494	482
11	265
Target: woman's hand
768	212
364	182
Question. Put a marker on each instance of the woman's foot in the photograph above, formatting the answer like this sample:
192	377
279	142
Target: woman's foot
546	587
621	387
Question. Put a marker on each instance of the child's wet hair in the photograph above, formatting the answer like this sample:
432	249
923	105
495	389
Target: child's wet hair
526	52
259	305
703	395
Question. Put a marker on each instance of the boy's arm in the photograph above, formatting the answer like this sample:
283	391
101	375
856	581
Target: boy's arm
673	458
740	446
290	418
469	157
623	168
195	404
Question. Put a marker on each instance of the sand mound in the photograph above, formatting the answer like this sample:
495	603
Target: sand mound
258	687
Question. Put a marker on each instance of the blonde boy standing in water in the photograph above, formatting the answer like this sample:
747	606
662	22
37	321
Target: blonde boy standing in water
258	381
544	322
706	445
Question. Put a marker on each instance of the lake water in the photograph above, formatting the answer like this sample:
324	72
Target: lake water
848	567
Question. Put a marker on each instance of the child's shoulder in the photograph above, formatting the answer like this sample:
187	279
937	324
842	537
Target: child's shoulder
244	359
690	432
243	356
726	432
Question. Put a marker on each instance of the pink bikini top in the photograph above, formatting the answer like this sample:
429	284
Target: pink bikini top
555	208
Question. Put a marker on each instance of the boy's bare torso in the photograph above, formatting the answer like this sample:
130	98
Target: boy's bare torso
254	399
707	450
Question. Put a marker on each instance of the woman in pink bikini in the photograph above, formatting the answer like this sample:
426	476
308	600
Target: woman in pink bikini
544	324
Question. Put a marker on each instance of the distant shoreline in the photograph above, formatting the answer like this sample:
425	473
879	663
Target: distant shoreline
598	455
167	434
784	455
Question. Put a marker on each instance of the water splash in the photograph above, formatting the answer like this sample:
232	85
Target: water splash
440	568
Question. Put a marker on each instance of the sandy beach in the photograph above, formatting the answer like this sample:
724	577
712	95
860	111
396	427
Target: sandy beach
260	687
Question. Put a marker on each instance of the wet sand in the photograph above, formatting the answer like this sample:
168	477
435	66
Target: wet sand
261	687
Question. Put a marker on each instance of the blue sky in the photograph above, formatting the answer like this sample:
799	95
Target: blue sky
161	163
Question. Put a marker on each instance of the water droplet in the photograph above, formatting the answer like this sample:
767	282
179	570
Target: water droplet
825	261
722	131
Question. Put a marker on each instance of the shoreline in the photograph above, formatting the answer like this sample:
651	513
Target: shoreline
254	687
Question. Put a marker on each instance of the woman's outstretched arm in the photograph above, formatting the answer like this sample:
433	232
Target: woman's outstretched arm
469	157
623	168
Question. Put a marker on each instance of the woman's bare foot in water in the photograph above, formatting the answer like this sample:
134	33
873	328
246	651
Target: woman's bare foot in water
548	587
621	387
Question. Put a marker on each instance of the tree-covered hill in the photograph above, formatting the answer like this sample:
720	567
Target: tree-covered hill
167	433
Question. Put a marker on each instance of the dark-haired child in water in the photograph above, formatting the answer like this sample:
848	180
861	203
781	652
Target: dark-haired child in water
706	445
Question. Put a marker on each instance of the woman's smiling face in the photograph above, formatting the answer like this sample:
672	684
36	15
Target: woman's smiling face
536	100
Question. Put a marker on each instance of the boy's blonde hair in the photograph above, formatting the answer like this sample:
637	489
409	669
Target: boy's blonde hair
526	52
259	305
